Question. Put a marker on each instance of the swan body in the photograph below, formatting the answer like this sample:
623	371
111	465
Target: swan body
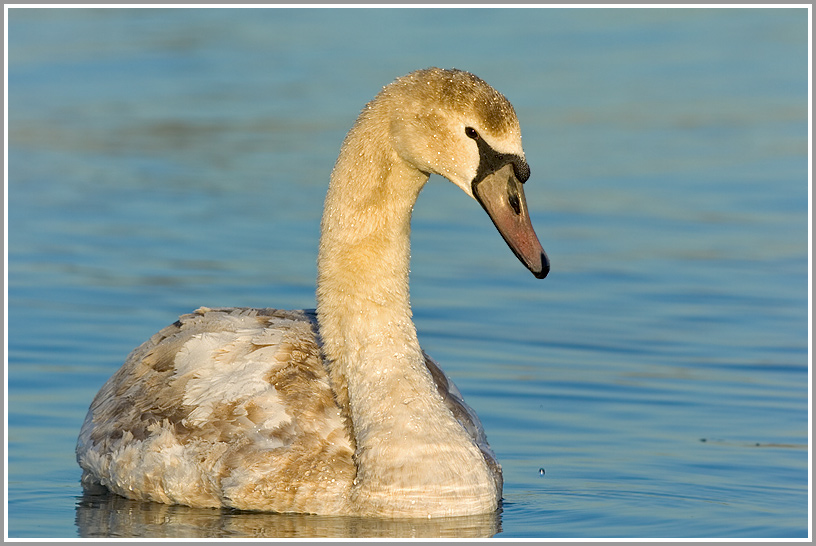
337	411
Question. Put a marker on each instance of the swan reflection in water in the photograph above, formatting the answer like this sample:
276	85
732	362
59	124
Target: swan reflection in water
102	514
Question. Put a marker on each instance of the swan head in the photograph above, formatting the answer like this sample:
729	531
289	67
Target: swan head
451	123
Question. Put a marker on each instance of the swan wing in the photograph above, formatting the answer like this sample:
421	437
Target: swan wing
222	408
465	415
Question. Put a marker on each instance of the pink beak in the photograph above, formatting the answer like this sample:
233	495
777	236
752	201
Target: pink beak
501	194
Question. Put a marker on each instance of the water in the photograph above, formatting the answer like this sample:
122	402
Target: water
159	160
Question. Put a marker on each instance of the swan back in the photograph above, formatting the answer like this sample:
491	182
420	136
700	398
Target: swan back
223	407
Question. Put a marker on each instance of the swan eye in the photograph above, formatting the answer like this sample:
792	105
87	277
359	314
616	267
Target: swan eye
472	133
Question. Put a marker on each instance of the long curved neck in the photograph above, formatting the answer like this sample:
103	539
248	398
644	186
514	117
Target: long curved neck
363	302
399	421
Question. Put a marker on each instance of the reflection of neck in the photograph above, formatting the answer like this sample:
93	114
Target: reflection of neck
409	448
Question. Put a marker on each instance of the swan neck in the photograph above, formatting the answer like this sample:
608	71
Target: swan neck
364	253
398	421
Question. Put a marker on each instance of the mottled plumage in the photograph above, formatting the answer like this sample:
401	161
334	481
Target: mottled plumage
338	411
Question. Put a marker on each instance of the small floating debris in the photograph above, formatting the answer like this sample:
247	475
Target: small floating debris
752	444
541	472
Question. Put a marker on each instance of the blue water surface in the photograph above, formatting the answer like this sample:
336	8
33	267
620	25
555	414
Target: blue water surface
656	384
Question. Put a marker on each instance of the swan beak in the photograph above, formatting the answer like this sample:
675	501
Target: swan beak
501	194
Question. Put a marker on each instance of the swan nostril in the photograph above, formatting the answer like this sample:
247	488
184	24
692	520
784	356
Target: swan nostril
513	199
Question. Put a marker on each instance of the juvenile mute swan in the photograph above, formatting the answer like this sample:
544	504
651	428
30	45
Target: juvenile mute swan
338	411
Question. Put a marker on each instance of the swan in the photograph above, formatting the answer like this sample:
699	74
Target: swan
336	411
